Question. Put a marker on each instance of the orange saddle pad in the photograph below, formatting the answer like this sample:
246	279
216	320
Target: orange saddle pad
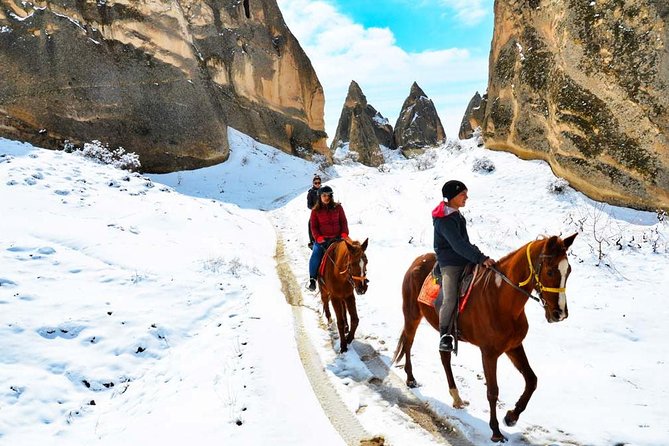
429	291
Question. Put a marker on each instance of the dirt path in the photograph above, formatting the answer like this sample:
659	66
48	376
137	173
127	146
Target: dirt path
385	383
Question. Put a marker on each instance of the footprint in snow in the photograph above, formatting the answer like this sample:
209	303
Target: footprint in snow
64	331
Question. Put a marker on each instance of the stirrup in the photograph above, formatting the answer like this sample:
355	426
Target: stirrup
446	343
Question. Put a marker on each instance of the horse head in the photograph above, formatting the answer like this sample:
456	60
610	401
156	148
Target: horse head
357	266
551	272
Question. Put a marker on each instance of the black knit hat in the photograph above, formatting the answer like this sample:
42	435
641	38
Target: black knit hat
325	190
452	188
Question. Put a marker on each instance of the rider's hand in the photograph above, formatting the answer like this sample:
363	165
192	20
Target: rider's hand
488	262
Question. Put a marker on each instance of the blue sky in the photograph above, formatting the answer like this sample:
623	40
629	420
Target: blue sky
385	46
424	25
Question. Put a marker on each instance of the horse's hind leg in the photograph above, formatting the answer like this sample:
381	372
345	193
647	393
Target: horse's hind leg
519	359
409	334
353	313
326	306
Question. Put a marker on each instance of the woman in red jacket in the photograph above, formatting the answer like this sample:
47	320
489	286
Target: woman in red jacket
328	223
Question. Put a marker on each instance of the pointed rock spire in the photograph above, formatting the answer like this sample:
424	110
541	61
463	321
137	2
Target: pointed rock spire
418	126
362	128
473	116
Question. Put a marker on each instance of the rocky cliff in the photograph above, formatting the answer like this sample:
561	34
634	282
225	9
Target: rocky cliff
160	78
584	85
418	125
362	128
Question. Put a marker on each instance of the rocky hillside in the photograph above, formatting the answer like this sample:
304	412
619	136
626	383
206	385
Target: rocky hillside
584	85
162	79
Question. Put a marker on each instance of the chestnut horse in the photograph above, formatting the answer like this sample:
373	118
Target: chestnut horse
494	318
344	269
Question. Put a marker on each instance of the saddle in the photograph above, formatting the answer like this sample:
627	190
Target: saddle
432	285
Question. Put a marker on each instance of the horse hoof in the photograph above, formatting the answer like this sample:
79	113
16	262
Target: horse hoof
498	438
412	383
511	418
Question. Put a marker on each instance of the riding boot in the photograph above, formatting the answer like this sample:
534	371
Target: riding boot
312	284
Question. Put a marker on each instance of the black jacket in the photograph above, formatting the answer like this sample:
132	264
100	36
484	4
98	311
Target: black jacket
312	197
451	241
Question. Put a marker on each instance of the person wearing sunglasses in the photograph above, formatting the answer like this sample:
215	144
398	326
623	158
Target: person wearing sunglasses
312	199
328	224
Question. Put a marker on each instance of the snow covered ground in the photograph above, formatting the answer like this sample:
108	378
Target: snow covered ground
148	309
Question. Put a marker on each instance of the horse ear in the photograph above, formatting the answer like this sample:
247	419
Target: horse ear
551	244
364	244
569	240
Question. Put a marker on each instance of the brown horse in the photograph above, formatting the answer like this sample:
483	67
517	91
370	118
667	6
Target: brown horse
494	318
344	269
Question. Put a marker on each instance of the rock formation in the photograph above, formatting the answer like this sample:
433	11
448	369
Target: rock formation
584	85
473	117
418	125
360	126
160	78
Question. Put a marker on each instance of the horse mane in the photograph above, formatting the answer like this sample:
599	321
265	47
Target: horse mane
542	238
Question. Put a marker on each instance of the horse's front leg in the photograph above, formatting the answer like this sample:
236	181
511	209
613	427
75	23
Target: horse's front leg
353	313
458	403
340	312
519	360
490	372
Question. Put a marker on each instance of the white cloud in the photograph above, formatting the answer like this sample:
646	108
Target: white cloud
342	50
469	12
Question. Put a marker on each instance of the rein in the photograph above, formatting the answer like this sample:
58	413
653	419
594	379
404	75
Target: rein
351	278
533	274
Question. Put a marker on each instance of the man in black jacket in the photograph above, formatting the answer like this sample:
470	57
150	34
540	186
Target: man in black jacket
312	199
454	251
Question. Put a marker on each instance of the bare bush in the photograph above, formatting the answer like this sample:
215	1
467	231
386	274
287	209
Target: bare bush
102	154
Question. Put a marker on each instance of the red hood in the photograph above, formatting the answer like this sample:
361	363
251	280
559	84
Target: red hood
442	210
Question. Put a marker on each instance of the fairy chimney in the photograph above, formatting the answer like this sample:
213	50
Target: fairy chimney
418	125
583	85
358	126
162	79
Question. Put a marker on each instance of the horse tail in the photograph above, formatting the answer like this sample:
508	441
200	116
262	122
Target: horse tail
400	350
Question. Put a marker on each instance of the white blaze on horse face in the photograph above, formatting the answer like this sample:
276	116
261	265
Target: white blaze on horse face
362	267
563	266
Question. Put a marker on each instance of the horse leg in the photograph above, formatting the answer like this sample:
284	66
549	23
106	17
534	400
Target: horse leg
458	403
490	372
353	313
409	334
340	312
519	360
325	298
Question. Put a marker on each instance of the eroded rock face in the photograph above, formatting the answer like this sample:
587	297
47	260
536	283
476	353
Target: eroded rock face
585	86
418	125
473	117
163	79
357	128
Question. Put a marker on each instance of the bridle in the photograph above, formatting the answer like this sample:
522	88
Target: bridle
534	274
352	278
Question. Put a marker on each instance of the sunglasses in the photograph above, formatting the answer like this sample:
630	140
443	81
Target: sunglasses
317	182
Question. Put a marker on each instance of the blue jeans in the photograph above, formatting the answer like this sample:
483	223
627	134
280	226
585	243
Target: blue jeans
317	253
